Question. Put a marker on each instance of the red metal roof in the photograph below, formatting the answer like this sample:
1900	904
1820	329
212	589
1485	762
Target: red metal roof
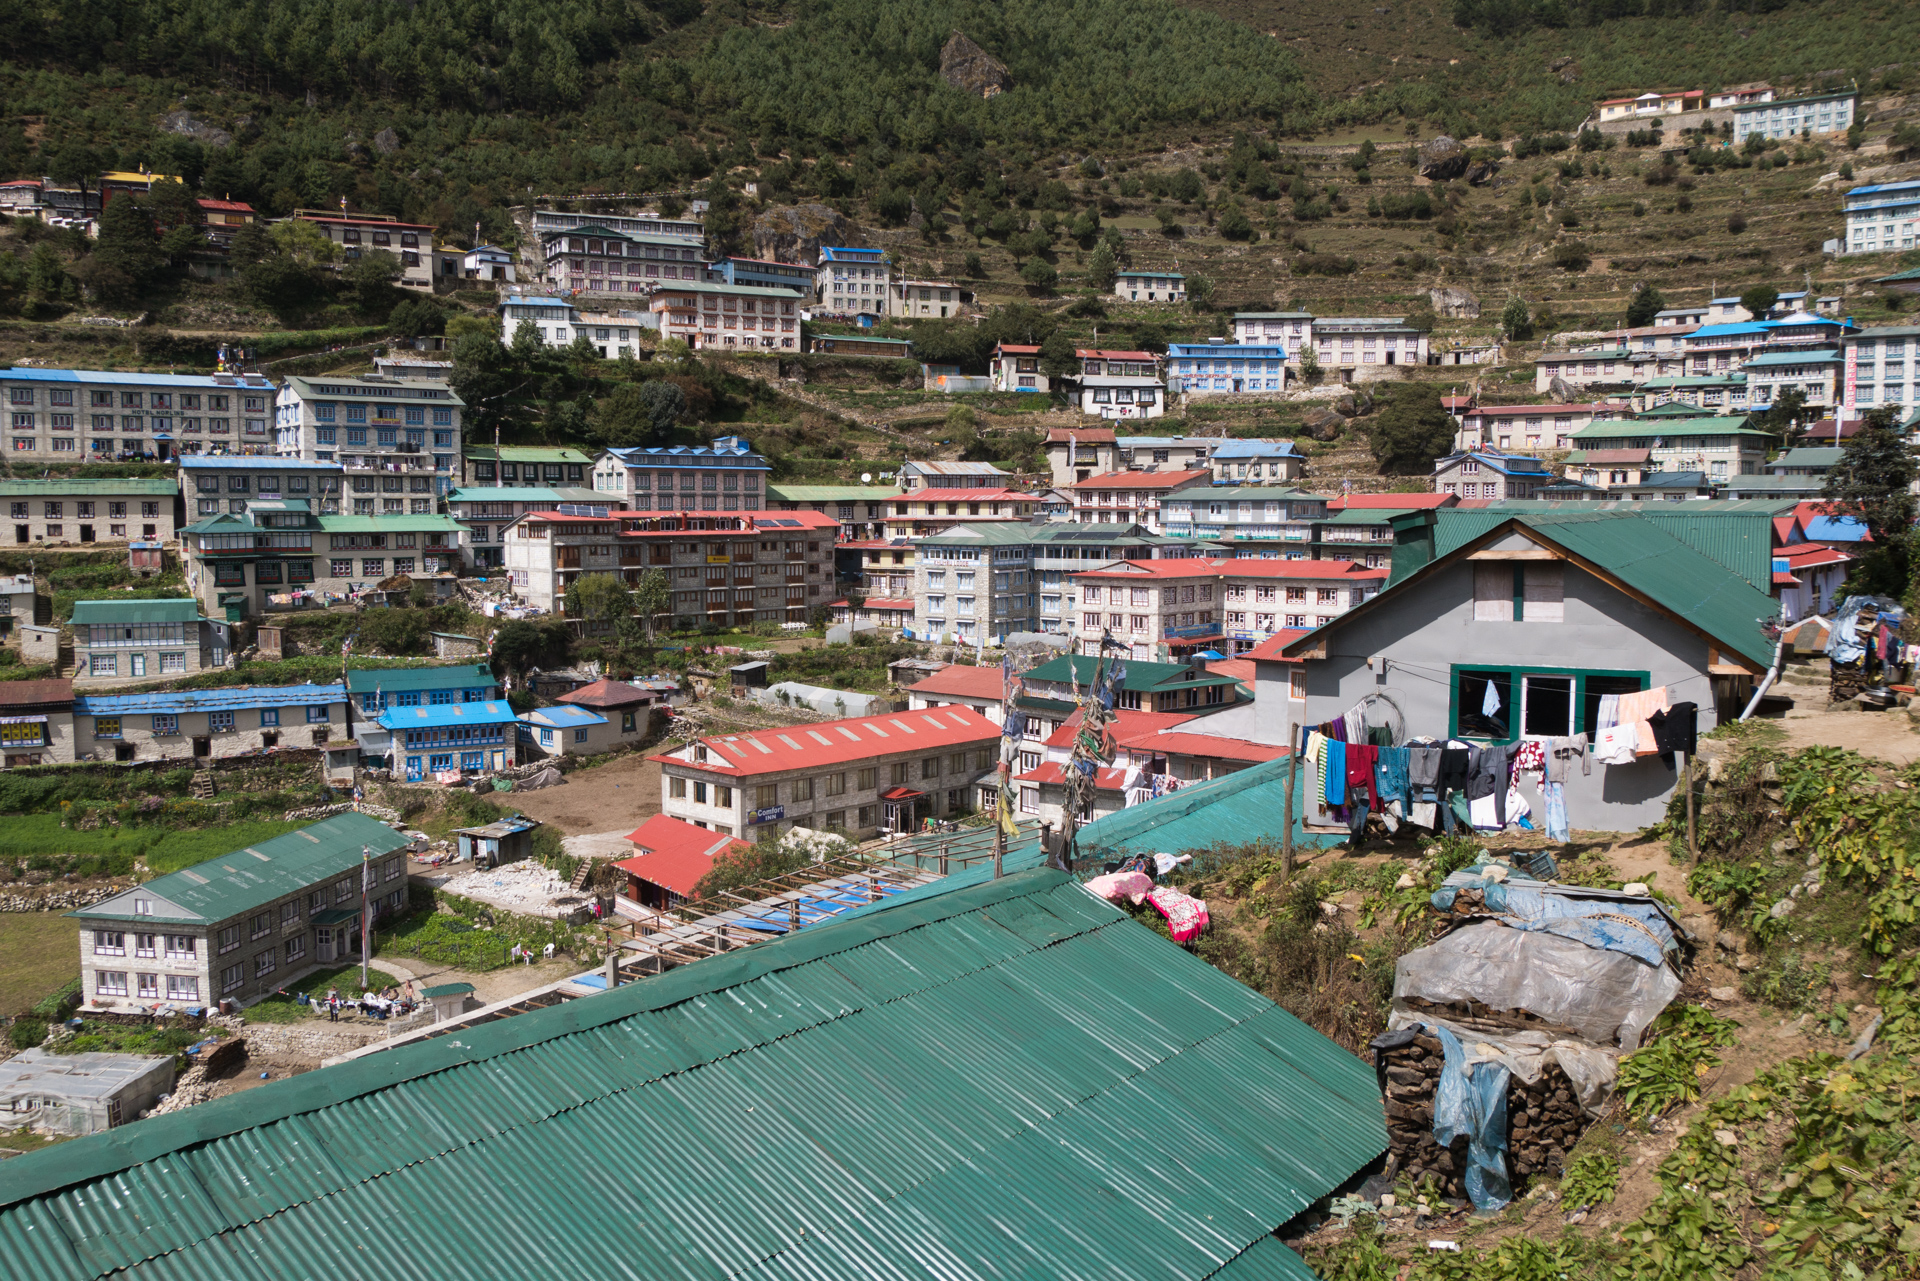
1784	580
1141	480
876	603
231	206
900	794
962	496
857	738
1014	349
607	693
1239	567
24	693
1269	649
1240	669
1539	409
1094	353
1207	745
675	854
1084	435
1104	779
959	680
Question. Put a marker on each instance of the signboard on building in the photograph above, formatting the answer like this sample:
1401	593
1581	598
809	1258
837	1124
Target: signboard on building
1188	633
774	815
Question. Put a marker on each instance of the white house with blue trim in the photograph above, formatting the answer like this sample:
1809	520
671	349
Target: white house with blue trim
462	738
1223	368
853	282
1881	218
566	730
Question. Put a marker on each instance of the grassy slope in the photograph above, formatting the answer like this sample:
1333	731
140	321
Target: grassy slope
42	953
27	835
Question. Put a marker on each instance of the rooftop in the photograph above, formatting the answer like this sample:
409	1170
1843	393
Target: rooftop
250	462
208	700
394	680
234	883
952	1172
1141	480
563	716
491	712
608	693
676	854
838	742
958	680
94	486
110	612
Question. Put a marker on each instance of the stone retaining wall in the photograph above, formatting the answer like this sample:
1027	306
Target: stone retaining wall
60	900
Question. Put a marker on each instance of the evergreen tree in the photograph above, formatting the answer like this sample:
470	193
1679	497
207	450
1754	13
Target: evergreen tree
1101	266
1645	304
1040	274
1412	431
1516	321
1873	482
1234	223
128	242
653	598
1759	300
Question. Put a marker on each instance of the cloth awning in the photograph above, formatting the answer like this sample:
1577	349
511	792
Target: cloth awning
336	916
901	794
23	720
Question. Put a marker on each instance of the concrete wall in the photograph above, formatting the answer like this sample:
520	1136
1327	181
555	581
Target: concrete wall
1423	632
247	735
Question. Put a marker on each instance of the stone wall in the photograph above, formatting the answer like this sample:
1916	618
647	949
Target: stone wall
50	899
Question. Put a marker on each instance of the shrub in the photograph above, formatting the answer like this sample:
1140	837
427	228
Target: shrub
1572	256
27	1031
1324	265
1736	223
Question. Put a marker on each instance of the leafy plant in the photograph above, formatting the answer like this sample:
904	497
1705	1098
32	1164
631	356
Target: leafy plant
1590	1180
1667	1072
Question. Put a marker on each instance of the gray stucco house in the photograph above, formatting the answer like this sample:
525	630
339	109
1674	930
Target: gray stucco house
1552	610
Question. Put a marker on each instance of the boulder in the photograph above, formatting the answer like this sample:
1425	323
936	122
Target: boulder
1454	303
1443	158
188	125
1323	424
1480	174
386	142
1561	390
795	233
971	69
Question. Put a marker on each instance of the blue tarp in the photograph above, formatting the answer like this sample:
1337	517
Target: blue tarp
1528	905
1843	639
1472	1101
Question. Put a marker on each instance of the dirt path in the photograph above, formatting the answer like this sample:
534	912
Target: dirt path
1888	735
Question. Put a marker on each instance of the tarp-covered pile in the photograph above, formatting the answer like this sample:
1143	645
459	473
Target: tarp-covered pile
1507	1030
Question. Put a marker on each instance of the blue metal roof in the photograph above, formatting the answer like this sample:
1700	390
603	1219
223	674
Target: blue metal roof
252	462
533	300
1835	529
1189	351
208	700
1732	330
1253	448
685	453
1884	186
225	382
493	712
563	716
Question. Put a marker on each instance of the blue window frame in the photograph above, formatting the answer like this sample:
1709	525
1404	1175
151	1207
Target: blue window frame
386	435
356	413
324	435
443	440
440	696
317	715
580	735
473	760
546	737
323	413
356	435
415	416
416	436
166	725
440	761
443	418
409	698
413	769
269	717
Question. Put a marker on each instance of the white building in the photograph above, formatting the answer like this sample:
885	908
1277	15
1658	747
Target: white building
1290	329
389	435
1792	117
1119	384
853	282
929	299
1880	366
487	262
554	318
704	314
1150	286
410	243
1881	218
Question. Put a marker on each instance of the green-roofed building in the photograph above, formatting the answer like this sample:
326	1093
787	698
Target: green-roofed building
1719	447
1263	517
536	465
1720	393
116	641
1505	624
242	925
91	510
278	556
858	508
866	1151
1146	687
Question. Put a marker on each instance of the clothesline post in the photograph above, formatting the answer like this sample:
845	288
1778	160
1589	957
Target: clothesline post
1293	781
1686	775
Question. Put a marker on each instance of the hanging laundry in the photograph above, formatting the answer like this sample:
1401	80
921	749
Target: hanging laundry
1336	787
1561	752
1675	730
1360	761
1634	711
1491	703
1615	744
1530	757
1555	795
1609	714
1186	915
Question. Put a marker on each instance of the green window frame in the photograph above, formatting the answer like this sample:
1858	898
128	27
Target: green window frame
1584	681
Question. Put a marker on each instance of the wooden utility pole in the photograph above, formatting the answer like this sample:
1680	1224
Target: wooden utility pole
1686	774
1293	781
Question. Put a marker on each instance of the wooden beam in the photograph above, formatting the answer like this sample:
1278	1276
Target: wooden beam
1531	553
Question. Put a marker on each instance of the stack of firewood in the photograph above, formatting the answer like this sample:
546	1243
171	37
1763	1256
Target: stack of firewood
1543	1119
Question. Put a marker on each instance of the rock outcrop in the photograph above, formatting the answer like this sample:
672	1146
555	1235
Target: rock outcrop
188	125
796	232
1323	424
1443	158
386	142
1454	303
971	69
1481	173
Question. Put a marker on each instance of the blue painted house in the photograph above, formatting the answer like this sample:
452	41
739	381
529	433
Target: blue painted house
463	737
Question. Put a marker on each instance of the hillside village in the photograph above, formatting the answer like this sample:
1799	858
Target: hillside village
1355	680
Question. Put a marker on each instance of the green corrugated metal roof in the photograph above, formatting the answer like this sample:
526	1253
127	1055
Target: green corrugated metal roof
237	882
102	488
525	454
1364	516
1620	429
831	493
387	524
976	1083
394	680
1741	541
135	611
1236	809
1140	676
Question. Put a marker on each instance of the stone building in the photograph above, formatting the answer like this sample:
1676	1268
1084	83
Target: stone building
115	641
200	723
89	415
89	511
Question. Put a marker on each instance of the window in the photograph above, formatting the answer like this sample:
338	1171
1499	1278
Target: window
229	938
677	788
265	962
109	943
1483	703
930	767
901	773
866	780
1527	592
1546	706
580	735
104	665
180	947
217	721
269	717
143	945
1551	703
148	987
836	784
296	947
232	977
260	925
110	982
183	987
803	789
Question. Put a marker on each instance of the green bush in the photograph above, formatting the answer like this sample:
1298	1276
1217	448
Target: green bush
27	1031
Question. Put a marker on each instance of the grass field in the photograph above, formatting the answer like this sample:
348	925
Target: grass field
26	836
42	951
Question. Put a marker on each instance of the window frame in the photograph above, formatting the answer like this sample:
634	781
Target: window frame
1514	673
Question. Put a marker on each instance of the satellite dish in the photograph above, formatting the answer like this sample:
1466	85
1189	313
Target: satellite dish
866	478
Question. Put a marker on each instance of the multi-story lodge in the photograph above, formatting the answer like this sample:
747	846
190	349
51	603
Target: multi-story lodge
197	724
391	436
244	926
726	475
410	243
89	511
1131	496
758	567
128	640
765	273
1883	367
487	511
215	483
547	465
598	259
1163	607
1119	384
1150	286
853	281
641	224
1881	218
280	556
91	415
1273	518
926	299
860	776
1219	367
1525	426
704	314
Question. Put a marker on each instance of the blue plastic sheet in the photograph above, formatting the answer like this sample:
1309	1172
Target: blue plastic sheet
1472	1101
1843	641
1583	920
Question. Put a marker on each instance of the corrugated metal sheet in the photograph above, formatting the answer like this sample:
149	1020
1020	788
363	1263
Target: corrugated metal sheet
1246	806
1009	1078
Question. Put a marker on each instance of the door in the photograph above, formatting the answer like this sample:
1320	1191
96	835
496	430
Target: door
1238	383
86	533
413	769
203	747
20	534
323	943
1390	356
